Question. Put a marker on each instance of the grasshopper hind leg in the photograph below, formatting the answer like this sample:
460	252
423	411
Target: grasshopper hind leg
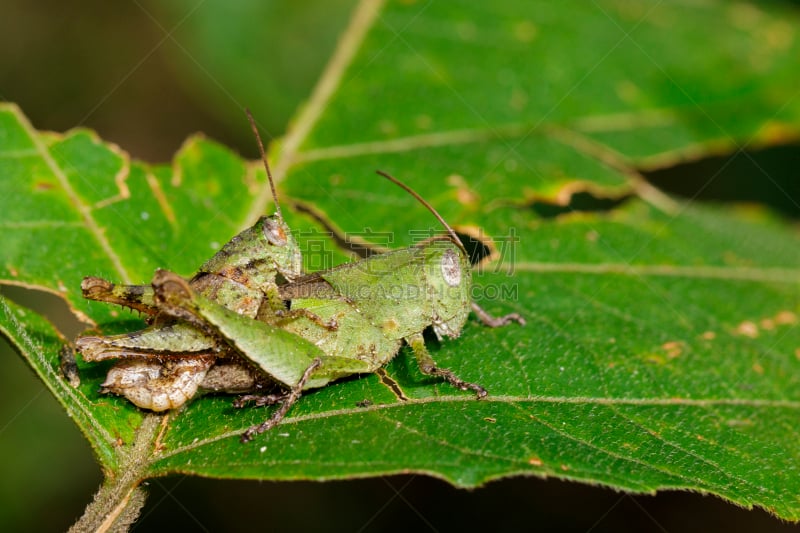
288	400
428	366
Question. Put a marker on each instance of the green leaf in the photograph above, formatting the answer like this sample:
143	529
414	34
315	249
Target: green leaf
662	349
228	55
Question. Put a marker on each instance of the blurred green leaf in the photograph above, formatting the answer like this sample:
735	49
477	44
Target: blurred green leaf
266	54
663	345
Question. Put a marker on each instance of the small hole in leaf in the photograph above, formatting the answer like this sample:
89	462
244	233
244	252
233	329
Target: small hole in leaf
52	307
767	177
579	202
477	249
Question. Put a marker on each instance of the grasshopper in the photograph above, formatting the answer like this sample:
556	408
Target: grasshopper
377	304
248	319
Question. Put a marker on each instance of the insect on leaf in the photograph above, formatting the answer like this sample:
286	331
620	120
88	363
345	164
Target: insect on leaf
661	350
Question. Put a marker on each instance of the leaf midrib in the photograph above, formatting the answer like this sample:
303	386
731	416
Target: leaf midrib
360	22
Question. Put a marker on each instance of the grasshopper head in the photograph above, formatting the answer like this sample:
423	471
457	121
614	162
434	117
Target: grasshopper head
256	256
449	281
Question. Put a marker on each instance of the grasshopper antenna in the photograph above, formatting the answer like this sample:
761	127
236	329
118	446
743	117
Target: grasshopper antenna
424	202
266	165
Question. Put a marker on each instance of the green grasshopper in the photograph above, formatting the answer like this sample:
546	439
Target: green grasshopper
377	304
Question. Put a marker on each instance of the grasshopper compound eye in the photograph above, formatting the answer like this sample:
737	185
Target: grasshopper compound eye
451	269
274	232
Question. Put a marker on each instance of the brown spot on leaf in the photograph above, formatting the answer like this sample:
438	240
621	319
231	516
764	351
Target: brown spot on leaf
748	329
564	467
757	368
709	335
767	323
785	317
464	195
673	349
535	461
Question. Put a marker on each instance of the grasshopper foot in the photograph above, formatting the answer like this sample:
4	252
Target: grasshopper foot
428	367
259	400
69	367
496	321
290	399
454	380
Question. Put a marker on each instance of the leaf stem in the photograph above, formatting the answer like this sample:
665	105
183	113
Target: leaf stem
117	503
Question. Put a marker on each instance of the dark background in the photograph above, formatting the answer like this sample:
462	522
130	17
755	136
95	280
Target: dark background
145	77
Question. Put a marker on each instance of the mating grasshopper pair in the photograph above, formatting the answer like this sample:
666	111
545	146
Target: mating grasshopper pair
249	319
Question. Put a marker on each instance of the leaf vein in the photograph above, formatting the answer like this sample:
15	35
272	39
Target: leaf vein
361	21
765	274
664	402
83	208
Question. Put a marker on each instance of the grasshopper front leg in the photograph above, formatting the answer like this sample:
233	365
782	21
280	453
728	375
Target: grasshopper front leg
428	366
136	297
496	321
